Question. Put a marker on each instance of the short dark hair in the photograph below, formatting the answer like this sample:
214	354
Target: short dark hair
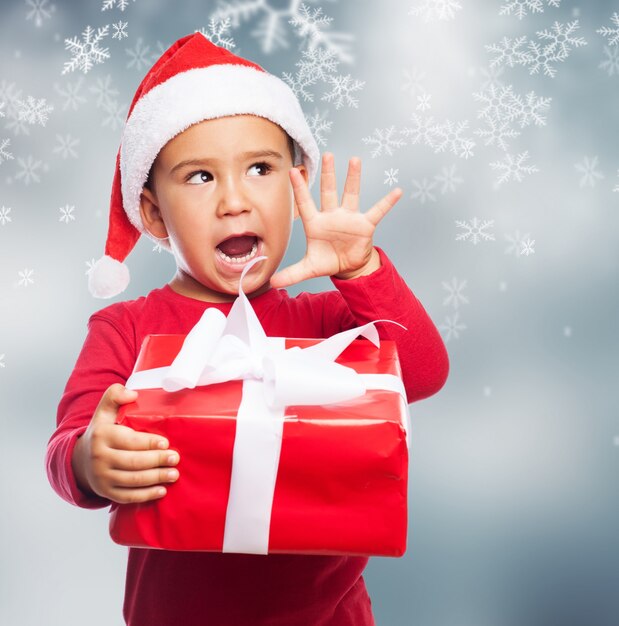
291	149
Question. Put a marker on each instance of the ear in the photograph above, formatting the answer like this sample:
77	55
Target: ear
305	174
151	215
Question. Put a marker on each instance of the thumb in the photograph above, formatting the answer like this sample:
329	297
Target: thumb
113	398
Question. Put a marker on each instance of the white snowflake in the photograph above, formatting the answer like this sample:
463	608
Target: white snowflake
66	213
309	25
39	10
88	52
452	327
513	168
617	185
120	30
502	103
71	94
2	105
519	8
432	10
2	363
216	31
491	77
590	175
611	33
423	102
116	115
104	92
423	190
5	218
412	81
475	231
527	247
516	243
450	135
139	55
315	65
319	125
34	111
65	146
391	177
5	155
25	277
158	247
454	293
110	4
422	130
496	132
342	88
383	141
448	179
508	52
89	265
611	62
29	170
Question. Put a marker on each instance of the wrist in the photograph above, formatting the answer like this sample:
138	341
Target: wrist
371	266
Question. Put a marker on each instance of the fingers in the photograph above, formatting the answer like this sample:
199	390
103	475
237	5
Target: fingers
383	206
328	183
145	478
125	438
350	197
115	396
124	495
302	195
136	461
291	275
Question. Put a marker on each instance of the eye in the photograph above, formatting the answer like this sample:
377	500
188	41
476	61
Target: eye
264	166
202	173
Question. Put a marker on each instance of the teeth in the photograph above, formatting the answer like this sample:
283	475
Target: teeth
241	259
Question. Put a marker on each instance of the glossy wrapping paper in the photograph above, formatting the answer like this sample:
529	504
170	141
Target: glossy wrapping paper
341	485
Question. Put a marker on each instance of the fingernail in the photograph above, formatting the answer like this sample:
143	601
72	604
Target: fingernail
172	459
161	491
172	474
163	444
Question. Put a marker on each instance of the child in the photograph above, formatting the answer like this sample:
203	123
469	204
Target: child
214	164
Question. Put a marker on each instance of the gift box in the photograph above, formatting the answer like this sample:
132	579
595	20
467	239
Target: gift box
287	445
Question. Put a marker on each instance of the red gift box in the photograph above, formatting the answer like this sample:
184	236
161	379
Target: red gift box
341	485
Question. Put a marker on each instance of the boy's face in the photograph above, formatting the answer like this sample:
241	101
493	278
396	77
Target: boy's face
225	191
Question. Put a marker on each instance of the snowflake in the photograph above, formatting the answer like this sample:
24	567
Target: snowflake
39	11
611	63
215	33
87	52
2	363
28	170
341	90
502	103
391	175
496	132
89	265
5	155
71	94
158	247
34	111
454	291
519	7
423	190
318	125
587	167
139	55
516	243
449	135
423	101
617	185
2	105
104	91
508	52
422	131
65	146
449	179
452	326
4	215
611	33
110	4
413	81
309	25
120	30
116	115
25	277
66	213
270	28
436	9
491	76
314	66
527	247
383	140
475	230
513	167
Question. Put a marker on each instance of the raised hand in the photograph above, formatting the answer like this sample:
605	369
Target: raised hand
339	237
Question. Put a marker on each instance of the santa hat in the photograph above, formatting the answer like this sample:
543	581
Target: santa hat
194	80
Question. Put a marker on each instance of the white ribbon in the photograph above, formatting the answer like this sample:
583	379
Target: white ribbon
219	349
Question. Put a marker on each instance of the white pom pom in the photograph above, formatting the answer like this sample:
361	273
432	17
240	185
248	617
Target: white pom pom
108	277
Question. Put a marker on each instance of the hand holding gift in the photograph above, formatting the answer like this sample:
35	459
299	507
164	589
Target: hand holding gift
117	462
339	237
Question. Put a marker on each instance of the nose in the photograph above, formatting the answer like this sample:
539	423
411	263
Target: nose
233	198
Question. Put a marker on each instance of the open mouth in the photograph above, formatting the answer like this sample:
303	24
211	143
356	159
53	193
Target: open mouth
238	249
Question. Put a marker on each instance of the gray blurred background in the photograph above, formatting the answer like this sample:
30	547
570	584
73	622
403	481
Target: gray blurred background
514	506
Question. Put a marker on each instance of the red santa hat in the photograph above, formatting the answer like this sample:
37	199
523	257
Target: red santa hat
194	80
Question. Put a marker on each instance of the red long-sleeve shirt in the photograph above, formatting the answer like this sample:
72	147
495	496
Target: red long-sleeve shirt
166	588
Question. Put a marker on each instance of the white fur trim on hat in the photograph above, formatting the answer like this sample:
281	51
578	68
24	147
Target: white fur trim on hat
200	94
108	277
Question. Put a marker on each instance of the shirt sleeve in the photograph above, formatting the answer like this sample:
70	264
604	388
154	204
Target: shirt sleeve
384	294
107	357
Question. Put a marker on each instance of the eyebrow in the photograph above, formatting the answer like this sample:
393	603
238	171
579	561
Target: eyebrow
255	154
